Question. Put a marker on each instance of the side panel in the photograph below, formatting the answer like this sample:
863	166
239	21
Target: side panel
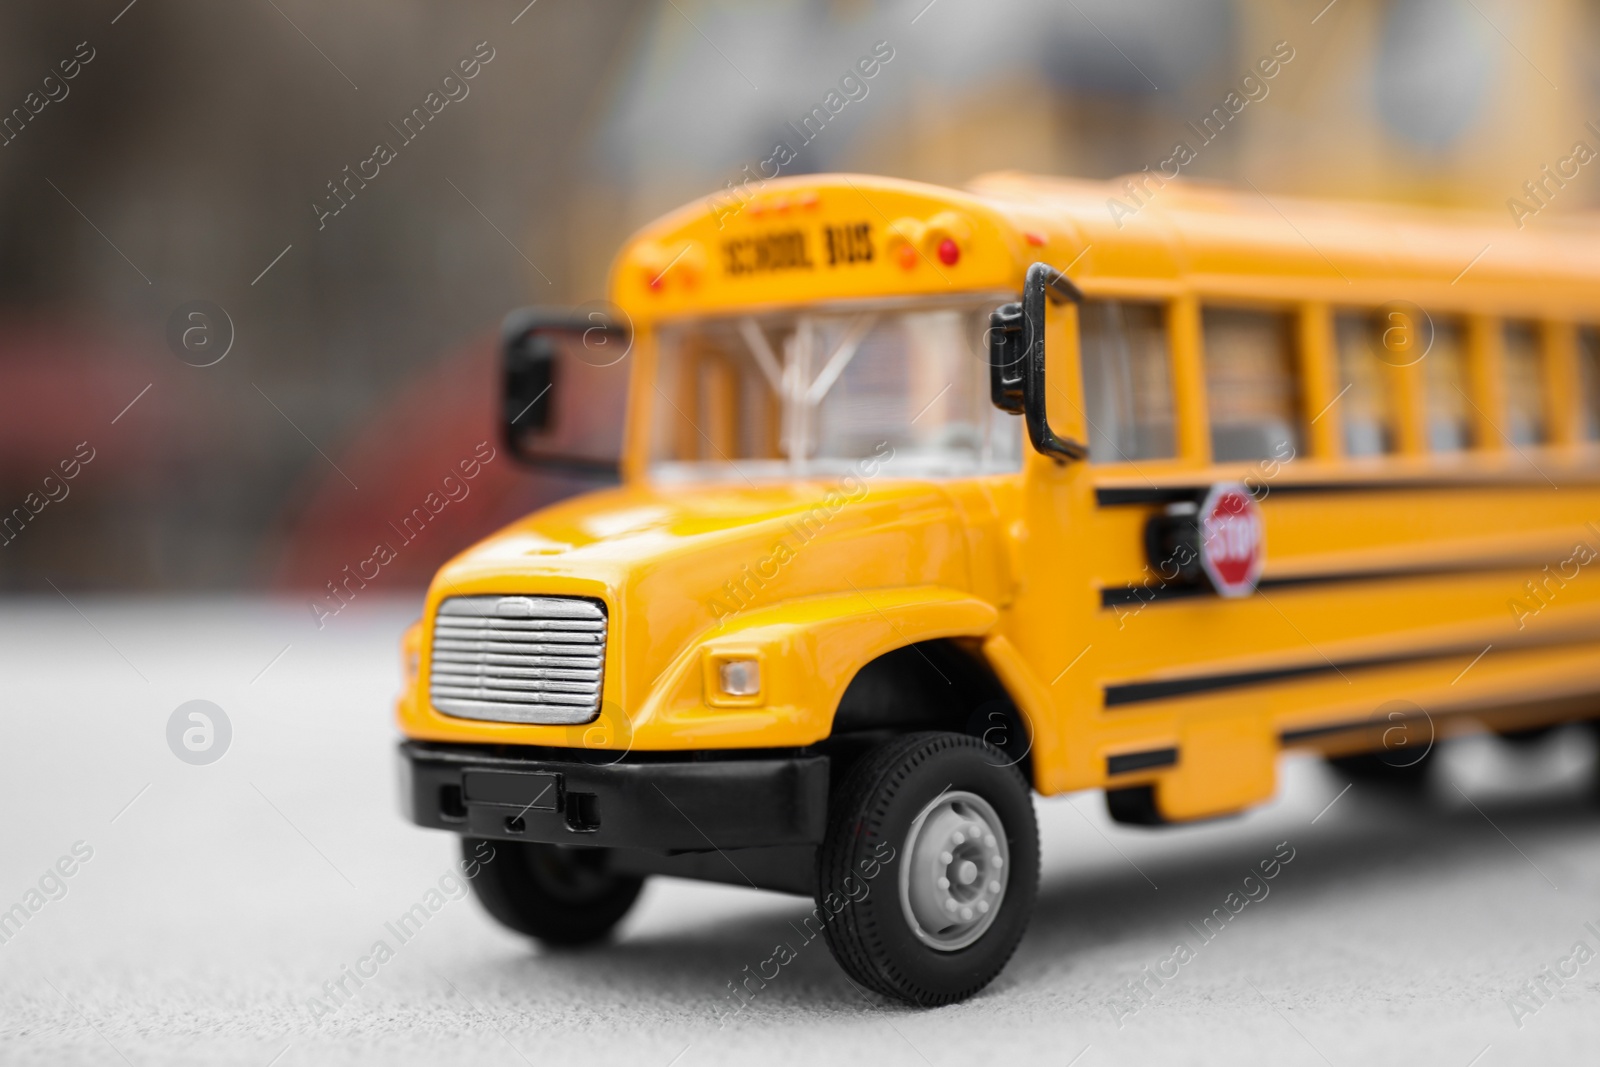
1435	589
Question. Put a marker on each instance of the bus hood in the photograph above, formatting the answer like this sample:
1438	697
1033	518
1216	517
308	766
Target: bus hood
673	564
762	542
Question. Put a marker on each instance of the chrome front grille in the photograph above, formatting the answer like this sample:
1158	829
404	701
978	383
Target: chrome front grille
532	659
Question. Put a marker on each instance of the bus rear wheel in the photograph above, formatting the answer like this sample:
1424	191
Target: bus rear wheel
1407	775
928	873
560	896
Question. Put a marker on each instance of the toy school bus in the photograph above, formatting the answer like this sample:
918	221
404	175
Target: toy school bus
927	501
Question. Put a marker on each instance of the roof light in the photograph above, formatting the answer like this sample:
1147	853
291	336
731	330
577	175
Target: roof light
949	252
670	266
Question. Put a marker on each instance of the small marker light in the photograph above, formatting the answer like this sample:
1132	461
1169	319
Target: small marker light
949	252
740	677
907	256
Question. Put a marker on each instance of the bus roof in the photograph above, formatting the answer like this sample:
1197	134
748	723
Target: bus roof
833	237
1211	236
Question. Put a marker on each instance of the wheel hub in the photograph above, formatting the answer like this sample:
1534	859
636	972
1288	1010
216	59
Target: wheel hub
957	865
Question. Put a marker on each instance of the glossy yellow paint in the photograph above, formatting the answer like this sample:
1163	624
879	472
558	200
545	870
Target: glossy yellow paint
661	561
1384	580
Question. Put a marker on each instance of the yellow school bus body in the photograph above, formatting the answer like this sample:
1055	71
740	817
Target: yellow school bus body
1385	579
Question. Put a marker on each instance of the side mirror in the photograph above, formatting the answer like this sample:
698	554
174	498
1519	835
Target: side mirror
1016	359
565	390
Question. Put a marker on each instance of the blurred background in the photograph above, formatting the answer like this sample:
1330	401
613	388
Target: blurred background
162	157
189	158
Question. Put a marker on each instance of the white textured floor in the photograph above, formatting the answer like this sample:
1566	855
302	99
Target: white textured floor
220	900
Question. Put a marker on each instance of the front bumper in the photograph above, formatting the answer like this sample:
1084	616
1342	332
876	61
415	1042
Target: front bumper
661	802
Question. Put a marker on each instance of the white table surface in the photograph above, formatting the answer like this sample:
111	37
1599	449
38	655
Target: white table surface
220	900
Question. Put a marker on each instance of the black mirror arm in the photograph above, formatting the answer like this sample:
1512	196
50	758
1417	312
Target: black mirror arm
1044	281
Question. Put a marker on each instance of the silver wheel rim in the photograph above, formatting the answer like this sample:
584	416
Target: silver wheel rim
953	880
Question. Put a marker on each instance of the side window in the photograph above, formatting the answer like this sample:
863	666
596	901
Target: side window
1589	383
1127	381
1445	371
1524	384
1251	384
1366	409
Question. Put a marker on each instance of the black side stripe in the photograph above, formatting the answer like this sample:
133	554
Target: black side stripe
1128	762
1374	724
1128	495
1289	737
1117	596
1141	692
1122	496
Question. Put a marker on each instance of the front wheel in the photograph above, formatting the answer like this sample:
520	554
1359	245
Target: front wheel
558	895
927	876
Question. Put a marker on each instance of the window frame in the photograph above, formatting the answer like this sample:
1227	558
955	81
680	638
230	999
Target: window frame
1566	339
1316	363
1178	306
1165	308
1308	363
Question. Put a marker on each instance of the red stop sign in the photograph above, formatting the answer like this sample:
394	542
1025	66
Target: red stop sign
1232	545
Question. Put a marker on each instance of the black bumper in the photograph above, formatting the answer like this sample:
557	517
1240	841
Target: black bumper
643	801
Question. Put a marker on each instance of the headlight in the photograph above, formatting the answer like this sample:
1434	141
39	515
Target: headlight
740	677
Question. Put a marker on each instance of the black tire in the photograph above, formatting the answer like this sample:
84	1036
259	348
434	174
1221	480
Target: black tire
1593	728
1530	736
869	922
560	896
1385	770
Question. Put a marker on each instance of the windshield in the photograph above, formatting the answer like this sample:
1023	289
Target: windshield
814	393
